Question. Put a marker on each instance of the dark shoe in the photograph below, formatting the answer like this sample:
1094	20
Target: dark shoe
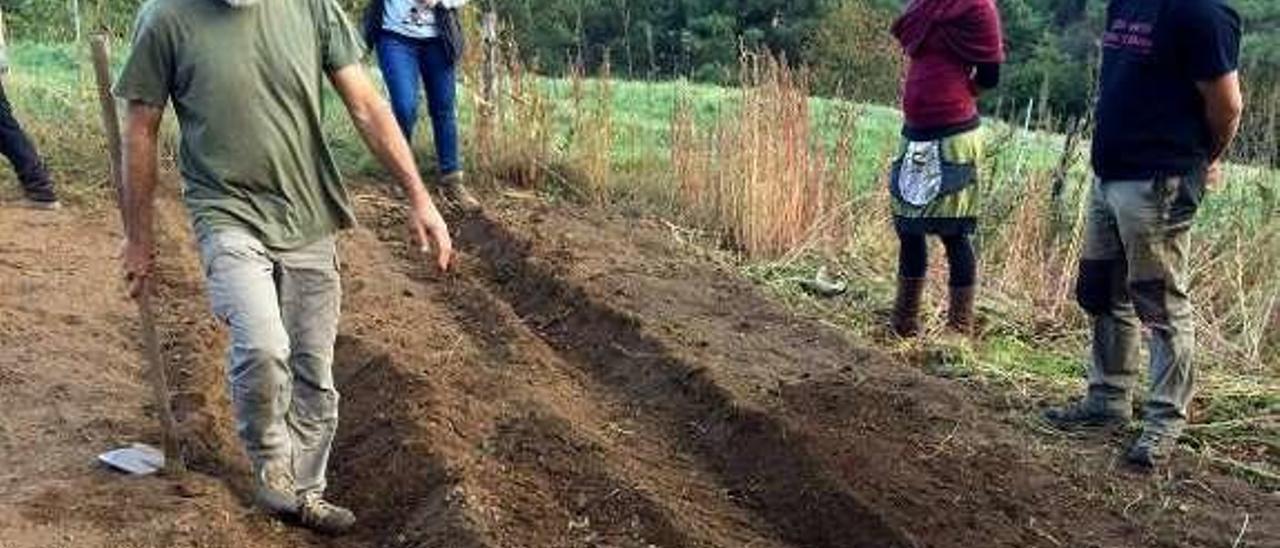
44	205
43	198
324	517
456	194
1082	414
906	307
1151	449
960	317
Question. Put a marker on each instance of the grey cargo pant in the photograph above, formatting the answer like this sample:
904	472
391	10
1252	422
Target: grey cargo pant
1133	273
282	310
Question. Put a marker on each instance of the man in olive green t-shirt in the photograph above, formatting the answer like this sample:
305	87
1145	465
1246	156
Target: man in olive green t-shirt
245	78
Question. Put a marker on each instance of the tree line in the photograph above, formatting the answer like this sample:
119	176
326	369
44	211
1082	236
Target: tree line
1052	44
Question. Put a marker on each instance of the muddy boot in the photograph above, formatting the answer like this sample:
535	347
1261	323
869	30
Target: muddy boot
456	194
960	316
906	308
274	491
324	517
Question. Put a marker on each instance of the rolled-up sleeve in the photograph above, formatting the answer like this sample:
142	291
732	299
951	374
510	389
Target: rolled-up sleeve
148	73
342	45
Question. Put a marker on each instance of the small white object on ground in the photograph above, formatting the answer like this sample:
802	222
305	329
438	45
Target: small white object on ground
138	459
821	285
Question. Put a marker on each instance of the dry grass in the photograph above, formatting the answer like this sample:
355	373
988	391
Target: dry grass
590	141
524	128
516	129
760	176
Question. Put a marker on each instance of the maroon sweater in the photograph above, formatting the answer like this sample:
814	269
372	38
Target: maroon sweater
945	40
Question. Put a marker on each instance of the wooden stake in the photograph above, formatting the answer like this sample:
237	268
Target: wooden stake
488	107
156	375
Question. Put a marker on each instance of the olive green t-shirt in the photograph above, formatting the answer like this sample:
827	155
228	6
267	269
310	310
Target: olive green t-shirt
246	85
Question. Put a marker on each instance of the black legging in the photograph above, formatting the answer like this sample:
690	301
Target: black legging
913	259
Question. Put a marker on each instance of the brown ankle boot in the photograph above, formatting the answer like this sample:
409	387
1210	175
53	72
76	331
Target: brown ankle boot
906	308
456	195
960	315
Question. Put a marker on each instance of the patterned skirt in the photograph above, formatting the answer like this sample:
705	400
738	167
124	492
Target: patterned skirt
935	185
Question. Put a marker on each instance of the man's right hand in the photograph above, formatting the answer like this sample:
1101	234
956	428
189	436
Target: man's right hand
137	260
137	256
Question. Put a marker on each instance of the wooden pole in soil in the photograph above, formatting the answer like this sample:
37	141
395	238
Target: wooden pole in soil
488	109
156	375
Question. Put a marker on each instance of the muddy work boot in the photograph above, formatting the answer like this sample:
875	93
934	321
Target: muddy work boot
455	193
324	517
960	316
274	492
906	307
1084	414
1152	449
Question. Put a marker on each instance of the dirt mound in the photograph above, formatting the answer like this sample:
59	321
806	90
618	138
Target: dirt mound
582	380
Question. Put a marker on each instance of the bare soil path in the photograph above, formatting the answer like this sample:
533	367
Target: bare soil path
582	381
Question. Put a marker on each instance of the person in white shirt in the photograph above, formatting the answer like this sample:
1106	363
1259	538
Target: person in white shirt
422	40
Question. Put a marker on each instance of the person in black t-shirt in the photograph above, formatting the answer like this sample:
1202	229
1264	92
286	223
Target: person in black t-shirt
1168	108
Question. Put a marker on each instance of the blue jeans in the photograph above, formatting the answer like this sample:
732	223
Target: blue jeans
402	61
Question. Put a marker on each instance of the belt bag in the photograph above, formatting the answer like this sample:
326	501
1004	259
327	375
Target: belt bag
921	176
450	28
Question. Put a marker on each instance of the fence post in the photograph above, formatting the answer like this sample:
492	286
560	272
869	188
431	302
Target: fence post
488	86
75	16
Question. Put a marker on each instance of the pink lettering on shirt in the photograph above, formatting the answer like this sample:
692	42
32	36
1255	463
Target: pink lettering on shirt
1133	36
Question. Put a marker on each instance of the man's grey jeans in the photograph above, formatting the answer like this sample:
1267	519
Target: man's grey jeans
1133	271
282	310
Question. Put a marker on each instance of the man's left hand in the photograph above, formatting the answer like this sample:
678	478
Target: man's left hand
431	232
1213	176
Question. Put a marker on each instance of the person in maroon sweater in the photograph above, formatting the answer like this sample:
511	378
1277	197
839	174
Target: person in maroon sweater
955	49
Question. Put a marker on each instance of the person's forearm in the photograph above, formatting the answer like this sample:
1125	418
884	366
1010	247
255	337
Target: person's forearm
138	195
1224	124
378	128
1223	108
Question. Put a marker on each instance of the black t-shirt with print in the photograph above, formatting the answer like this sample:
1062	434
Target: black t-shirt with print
1150	115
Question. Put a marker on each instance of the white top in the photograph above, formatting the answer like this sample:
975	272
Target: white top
4	50
414	18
